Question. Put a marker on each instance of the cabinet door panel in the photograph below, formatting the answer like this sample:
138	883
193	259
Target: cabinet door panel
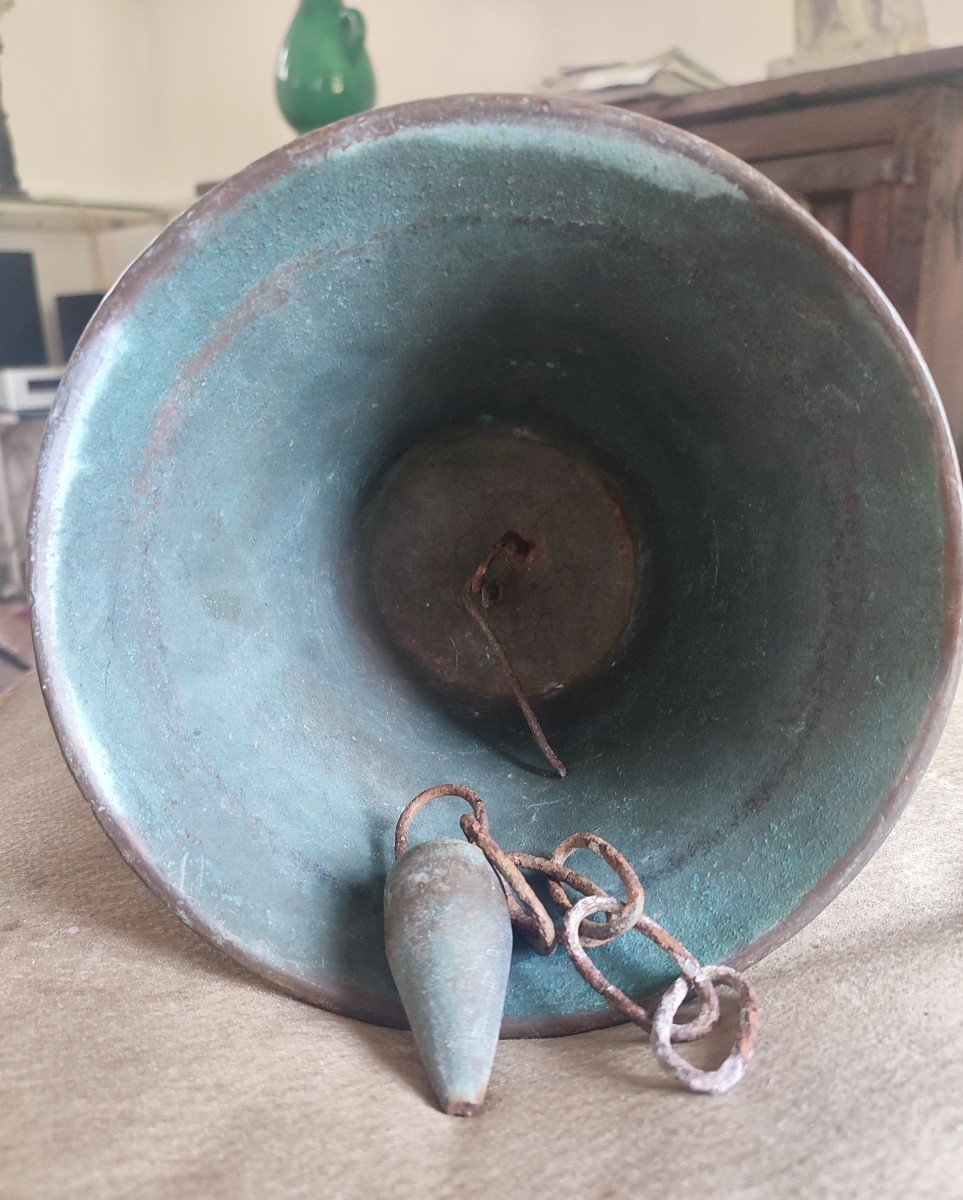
819	129
834	210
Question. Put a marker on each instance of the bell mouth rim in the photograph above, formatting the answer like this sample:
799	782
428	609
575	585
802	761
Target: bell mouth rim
165	251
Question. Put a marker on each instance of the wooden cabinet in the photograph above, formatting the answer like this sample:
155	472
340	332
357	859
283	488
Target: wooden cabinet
875	151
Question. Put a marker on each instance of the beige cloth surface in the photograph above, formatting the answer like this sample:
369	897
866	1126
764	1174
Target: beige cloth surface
135	1060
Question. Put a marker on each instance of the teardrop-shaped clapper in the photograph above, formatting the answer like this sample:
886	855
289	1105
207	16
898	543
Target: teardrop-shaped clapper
449	941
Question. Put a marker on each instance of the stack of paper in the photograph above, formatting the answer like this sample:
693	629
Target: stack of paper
670	74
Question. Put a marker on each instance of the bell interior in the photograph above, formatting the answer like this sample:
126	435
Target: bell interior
327	391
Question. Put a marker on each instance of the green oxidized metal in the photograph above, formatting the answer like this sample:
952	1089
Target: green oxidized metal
222	669
323	71
448	938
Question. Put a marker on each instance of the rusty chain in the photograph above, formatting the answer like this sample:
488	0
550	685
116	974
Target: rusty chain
577	931
693	974
426	797
712	1083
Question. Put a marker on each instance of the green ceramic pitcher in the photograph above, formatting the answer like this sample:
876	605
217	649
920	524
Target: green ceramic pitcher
323	71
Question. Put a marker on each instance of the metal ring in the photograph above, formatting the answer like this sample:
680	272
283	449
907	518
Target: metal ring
557	873
710	1083
694	975
592	933
533	862
426	797
524	907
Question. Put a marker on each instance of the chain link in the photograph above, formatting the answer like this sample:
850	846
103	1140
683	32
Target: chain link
616	924
577	932
693	974
711	1083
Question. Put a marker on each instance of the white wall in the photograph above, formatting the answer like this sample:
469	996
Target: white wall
138	100
76	87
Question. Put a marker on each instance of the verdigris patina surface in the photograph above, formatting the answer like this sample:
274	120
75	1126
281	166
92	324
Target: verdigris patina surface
206	620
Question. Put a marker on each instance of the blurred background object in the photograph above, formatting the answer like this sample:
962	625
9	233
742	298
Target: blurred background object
135	102
323	71
835	33
20	436
9	183
73	313
21	331
670	74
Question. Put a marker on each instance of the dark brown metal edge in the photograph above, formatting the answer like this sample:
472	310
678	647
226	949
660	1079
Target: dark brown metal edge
172	242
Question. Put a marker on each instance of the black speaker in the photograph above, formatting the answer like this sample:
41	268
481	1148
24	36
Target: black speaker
21	330
73	313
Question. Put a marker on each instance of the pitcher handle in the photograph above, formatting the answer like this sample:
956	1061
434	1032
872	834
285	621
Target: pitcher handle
355	29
